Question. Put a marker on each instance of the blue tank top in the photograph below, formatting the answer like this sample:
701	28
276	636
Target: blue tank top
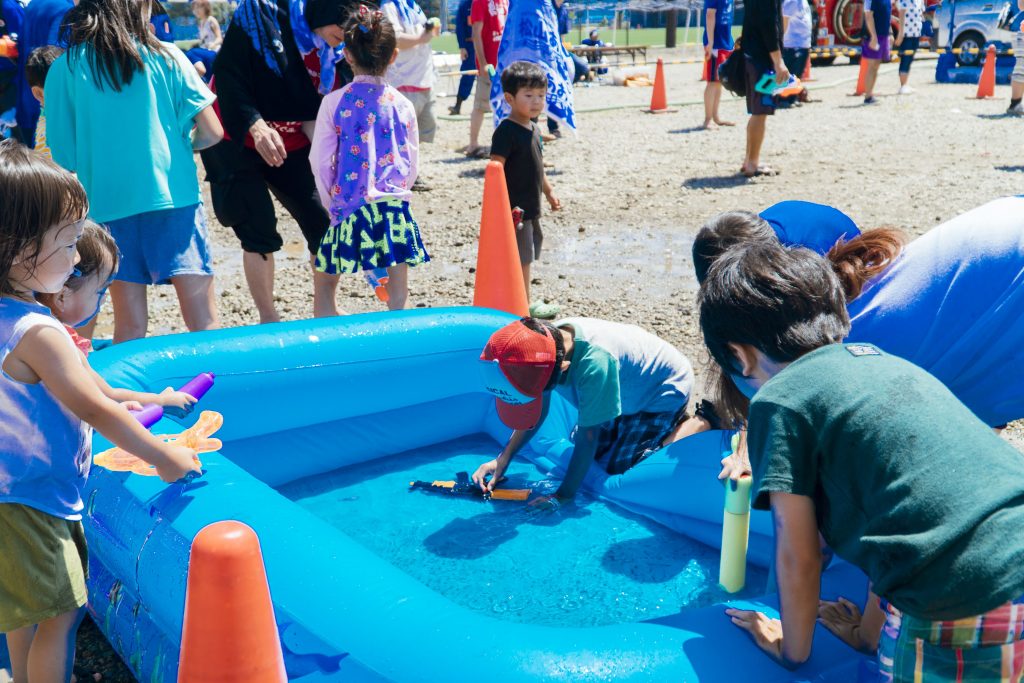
45	451
953	303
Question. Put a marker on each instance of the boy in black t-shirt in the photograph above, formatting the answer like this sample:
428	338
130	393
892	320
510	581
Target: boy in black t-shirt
516	145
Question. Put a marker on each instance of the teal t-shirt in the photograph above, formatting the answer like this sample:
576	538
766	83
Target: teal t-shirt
907	483
618	369
131	149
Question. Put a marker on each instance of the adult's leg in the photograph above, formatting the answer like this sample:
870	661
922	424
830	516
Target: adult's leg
398	286
481	104
131	310
293	185
870	77
259	276
197	301
755	138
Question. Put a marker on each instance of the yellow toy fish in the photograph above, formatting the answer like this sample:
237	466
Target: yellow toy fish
196	437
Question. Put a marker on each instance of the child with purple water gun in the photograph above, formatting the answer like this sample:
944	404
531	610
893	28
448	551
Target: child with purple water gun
78	302
364	158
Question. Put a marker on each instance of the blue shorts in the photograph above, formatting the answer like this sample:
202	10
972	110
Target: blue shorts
158	245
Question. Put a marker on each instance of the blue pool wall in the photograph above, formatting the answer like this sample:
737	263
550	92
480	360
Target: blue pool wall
386	383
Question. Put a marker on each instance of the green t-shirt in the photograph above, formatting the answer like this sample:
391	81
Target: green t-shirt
131	149
907	483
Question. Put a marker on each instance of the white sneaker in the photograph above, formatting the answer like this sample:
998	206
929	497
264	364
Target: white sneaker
905	90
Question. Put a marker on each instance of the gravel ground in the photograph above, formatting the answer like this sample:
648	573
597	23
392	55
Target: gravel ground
636	187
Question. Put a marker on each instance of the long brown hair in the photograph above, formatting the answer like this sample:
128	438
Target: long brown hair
35	196
113	32
865	256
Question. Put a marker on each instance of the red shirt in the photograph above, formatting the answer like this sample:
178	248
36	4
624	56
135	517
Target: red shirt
492	13
290	131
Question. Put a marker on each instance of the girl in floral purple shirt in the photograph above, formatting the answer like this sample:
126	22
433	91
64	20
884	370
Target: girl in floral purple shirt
364	159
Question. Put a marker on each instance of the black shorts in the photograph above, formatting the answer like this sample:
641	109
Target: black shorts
240	186
758	104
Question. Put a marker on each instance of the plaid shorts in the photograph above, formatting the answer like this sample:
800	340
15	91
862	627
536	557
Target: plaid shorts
986	648
628	439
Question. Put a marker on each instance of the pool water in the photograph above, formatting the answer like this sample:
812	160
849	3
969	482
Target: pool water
586	563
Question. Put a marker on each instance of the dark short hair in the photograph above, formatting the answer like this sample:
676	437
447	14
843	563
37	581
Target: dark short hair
370	39
519	75
97	253
784	302
38	64
724	231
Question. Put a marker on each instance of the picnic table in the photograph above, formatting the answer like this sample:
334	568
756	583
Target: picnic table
586	51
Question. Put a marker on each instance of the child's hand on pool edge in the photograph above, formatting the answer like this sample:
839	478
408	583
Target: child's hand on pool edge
766	632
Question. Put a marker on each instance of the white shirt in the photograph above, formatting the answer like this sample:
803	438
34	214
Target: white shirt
914	19
414	67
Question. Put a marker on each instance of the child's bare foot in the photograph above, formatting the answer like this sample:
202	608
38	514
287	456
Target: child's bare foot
708	125
724	123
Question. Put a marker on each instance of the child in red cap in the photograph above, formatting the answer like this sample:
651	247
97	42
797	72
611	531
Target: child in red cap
631	389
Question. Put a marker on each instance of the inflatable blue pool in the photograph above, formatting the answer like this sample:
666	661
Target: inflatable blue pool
325	422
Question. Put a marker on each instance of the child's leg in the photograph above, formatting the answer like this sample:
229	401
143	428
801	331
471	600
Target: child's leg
197	302
131	311
526	280
18	645
52	654
871	76
398	286
325	288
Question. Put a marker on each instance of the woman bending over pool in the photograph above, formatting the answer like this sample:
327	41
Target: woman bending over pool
950	301
860	446
631	389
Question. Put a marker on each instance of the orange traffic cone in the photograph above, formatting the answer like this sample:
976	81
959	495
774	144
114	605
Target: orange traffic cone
229	633
659	101
807	72
499	276
860	78
987	82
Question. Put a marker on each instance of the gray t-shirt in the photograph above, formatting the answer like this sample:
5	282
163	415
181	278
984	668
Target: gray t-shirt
620	369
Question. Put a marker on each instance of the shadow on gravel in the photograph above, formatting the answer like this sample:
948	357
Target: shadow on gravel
1011	169
472	173
716	181
691	129
995	117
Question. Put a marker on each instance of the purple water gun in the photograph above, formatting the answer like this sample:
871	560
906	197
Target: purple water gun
196	388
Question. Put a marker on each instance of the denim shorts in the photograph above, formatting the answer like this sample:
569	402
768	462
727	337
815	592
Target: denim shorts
158	245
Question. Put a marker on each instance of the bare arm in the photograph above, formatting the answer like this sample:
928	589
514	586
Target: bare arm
208	131
218	37
478	45
58	365
582	455
709	27
798	567
869	21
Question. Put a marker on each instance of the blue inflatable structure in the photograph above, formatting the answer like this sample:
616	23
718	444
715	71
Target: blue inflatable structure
298	401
